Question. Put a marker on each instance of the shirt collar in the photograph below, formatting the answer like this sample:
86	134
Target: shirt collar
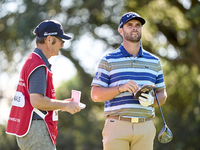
126	54
39	52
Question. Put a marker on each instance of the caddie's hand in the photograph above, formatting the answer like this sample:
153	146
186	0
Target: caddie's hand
146	100
71	107
130	86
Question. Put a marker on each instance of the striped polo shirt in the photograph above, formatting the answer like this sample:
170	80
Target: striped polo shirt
119	67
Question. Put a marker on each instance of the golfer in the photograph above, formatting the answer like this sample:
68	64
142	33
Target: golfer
34	113
120	74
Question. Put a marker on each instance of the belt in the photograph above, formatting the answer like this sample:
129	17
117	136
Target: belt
132	120
37	119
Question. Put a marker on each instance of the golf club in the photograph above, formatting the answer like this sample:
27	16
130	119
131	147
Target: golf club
165	135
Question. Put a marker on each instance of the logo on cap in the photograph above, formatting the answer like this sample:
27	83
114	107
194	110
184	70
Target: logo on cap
53	33
131	14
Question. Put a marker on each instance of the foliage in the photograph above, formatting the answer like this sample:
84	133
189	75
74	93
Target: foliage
171	32
7	142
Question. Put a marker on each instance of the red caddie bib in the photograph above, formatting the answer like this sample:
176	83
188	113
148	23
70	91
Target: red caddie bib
22	111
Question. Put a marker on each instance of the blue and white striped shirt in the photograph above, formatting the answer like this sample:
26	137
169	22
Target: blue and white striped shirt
119	67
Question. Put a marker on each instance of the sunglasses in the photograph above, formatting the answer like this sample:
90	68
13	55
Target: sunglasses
60	39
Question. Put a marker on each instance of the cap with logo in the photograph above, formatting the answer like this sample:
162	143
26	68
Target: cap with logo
50	27
129	16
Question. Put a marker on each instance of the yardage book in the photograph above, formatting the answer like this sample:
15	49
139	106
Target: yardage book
77	97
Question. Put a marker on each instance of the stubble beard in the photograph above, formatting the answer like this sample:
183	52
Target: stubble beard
131	38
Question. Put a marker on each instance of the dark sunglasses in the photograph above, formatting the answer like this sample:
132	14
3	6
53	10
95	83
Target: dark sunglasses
60	39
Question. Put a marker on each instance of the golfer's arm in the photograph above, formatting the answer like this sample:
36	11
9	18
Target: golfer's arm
101	94
162	96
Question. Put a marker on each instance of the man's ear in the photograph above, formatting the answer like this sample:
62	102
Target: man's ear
120	31
48	39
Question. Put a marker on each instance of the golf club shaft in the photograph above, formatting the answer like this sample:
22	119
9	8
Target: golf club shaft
159	106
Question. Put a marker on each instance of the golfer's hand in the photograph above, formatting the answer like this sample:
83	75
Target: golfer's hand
148	100
130	86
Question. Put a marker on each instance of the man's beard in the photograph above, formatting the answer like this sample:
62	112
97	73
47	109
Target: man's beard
132	39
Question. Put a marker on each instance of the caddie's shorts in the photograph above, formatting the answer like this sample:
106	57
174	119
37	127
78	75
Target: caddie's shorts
123	135
37	138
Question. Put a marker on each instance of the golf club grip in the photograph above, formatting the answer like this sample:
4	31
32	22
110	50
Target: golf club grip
159	106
